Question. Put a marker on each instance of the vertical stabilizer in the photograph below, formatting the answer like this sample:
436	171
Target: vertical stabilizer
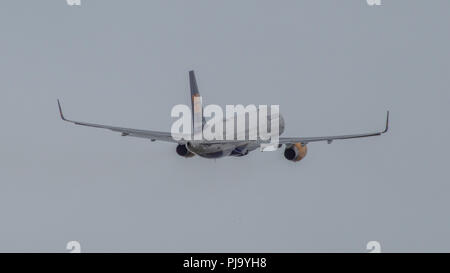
197	106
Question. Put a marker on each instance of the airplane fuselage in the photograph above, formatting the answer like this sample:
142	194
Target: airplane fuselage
240	147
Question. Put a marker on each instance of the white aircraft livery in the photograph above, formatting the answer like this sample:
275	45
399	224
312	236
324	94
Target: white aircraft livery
188	146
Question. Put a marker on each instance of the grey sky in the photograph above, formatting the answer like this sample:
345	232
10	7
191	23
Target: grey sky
334	67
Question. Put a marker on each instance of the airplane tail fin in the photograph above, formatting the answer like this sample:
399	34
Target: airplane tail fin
197	106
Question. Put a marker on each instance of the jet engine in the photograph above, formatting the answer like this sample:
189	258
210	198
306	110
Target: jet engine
295	152
183	151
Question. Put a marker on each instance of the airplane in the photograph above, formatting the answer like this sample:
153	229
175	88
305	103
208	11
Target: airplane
295	147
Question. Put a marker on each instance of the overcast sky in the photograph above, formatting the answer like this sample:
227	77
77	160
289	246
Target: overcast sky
334	67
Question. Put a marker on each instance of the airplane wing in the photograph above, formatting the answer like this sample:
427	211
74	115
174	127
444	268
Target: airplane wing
152	135
305	140
329	139
166	136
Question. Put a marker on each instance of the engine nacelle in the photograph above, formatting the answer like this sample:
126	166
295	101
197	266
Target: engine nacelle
183	151
295	152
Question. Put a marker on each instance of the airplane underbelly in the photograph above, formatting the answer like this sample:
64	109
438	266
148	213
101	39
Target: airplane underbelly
210	150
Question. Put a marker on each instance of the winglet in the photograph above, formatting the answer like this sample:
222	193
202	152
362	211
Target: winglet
387	123
60	111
